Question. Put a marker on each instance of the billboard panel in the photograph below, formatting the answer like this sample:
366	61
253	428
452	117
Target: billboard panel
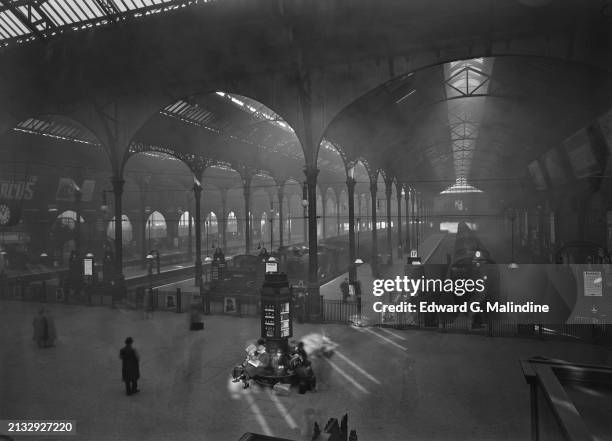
536	174
581	155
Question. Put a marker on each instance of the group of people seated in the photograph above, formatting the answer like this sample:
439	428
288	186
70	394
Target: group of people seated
259	363
218	255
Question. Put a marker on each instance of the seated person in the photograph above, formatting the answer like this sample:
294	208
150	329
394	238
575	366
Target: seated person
304	373
264	254
218	255
302	353
257	362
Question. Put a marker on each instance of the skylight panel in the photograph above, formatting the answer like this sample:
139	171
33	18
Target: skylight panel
74	11
52	17
80	9
57	14
11	25
55	129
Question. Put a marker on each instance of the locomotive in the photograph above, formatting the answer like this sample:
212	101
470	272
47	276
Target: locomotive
473	261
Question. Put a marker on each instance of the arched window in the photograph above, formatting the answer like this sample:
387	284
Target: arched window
232	223
126	227
211	223
183	225
156	226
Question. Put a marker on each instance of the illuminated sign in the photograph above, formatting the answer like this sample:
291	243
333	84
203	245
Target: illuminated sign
88	267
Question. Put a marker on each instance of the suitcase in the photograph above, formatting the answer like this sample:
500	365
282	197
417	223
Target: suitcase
282	389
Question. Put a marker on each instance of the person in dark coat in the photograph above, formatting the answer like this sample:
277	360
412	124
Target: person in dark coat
344	288
130	369
302	353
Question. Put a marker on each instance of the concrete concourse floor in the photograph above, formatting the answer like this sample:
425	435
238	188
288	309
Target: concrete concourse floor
395	385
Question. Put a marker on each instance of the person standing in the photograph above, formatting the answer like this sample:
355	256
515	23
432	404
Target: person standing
130	369
344	289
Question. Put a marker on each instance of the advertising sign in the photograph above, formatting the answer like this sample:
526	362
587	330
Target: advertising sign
580	154
17	188
65	190
229	305
592	283
88	267
536	174
554	167
271	267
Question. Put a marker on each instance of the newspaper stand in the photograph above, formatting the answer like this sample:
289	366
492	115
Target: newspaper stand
276	312
276	324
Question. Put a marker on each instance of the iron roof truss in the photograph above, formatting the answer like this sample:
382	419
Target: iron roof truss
27	20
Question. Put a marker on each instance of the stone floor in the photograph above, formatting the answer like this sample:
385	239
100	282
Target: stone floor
395	385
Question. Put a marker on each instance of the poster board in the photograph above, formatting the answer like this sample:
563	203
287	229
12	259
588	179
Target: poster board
581	155
170	301
593	284
88	267
553	165
229	305
536	174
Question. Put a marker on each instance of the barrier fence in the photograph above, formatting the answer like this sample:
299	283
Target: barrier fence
332	311
337	311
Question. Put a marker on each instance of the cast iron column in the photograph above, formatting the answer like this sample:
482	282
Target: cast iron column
118	192
143	232
421	210
305	218
281	224
77	226
324	214
246	190
373	188
350	184
418	221
400	254
337	215
224	220
189	233
388	193
415	242
197	194
311	173
407	203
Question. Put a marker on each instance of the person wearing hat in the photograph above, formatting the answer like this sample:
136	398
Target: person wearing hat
130	370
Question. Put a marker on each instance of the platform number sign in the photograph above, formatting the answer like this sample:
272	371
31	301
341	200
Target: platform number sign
413	254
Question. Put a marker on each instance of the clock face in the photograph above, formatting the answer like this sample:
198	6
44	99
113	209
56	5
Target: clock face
5	214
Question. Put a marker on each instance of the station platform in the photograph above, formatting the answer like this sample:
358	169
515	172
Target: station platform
395	385
432	249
